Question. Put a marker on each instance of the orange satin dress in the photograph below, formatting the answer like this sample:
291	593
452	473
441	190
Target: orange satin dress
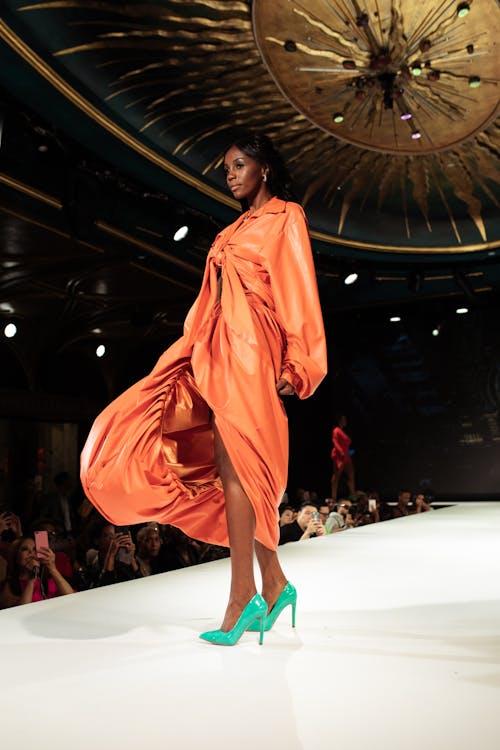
150	455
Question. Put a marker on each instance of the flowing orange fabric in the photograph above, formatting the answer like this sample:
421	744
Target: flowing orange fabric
149	455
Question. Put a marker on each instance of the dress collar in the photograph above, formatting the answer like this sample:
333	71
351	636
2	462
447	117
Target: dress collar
273	206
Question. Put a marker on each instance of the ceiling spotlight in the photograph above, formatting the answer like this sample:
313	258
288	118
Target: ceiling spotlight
395	319
181	233
463	10
470	49
436	331
462	310
100	351
351	278
474	82
290	45
416	135
96	330
10	330
416	69
338	117
406	116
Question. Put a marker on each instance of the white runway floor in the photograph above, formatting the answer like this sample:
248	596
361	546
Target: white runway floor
397	647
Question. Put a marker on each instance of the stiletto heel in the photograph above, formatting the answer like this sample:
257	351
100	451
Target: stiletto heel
287	596
253	614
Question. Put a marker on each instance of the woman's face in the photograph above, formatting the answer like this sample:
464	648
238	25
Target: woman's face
106	537
26	555
243	175
150	545
286	517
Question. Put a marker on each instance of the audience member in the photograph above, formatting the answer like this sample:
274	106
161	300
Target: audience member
62	547
305	525
403	506
31	576
420	504
339	519
286	514
324	512
153	556
112	559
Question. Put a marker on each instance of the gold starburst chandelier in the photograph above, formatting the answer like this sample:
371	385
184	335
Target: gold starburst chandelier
397	76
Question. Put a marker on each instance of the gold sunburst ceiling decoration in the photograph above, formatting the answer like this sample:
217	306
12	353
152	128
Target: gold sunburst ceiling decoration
403	77
184	75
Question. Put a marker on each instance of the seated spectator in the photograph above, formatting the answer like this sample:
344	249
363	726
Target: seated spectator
420	504
112	559
403	507
182	551
340	519
324	512
10	530
62	546
382	511
286	514
31	577
304	527
153	556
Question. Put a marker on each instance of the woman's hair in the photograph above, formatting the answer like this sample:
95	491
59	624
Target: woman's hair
260	147
13	569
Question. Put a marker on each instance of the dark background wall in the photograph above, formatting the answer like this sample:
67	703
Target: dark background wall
422	409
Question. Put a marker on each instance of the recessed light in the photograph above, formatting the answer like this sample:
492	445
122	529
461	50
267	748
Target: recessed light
181	233
10	330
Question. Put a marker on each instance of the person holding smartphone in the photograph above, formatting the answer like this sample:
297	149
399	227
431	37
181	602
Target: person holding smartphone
112	560
31	575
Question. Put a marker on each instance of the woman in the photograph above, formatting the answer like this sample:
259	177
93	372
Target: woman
112	559
25	583
254	334
341	457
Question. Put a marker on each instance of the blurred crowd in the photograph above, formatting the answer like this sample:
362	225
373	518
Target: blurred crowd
57	543
310	516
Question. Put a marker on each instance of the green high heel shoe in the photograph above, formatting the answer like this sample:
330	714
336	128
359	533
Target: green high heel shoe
287	596
253	614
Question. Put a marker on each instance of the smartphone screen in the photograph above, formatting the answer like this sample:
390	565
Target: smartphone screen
41	540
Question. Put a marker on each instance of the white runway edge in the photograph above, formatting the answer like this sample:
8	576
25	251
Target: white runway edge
397	647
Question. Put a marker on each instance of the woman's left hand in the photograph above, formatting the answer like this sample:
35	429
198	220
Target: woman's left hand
284	388
47	557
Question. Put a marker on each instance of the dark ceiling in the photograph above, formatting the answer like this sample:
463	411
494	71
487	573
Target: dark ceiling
114	119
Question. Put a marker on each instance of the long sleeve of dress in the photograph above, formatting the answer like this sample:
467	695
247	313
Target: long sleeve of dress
295	293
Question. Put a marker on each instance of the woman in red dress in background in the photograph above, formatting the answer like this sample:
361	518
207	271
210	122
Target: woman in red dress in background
202	442
341	458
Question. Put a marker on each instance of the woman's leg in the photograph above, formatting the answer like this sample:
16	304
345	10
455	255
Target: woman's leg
337	473
349	472
273	578
241	528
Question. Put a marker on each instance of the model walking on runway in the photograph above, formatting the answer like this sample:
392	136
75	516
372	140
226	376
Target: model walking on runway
341	457
202	442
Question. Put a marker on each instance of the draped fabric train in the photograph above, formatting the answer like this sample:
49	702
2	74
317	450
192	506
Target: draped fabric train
149	455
